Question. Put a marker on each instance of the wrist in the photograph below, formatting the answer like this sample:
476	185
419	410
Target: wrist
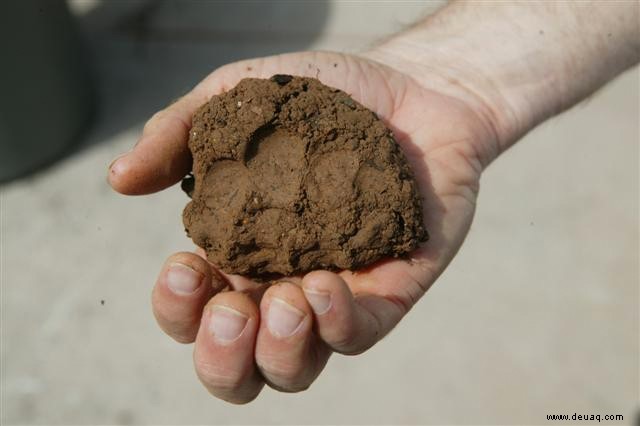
516	65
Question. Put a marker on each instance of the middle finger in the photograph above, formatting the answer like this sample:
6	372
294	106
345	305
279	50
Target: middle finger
288	353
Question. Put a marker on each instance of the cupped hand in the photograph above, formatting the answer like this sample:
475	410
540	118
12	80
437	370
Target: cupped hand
247	334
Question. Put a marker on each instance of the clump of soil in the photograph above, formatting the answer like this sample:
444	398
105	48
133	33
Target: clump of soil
290	175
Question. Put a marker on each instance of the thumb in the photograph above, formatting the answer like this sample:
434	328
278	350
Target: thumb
161	156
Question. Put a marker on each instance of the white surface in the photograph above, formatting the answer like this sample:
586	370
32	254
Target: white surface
537	315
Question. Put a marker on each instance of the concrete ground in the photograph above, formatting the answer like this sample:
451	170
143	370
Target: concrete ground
537	315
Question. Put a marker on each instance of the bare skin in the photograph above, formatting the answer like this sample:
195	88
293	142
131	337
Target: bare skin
451	122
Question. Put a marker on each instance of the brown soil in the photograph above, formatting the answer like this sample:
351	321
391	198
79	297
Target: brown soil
290	175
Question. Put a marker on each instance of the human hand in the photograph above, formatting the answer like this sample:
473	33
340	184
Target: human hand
247	334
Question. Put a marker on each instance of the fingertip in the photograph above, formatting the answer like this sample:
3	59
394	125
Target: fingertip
142	171
200	264
285	310
322	280
224	352
115	172
288	353
341	322
185	284
323	290
237	301
228	317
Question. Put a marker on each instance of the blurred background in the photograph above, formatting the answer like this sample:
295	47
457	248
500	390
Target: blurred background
537	315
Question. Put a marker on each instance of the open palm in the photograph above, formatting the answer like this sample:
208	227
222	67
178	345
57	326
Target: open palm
247	334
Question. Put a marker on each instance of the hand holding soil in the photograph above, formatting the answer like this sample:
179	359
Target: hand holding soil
454	96
270	338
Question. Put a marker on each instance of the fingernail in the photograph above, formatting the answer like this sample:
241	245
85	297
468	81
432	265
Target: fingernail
226	324
183	280
320	301
283	320
115	160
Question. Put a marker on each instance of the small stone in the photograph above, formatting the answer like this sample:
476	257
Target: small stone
282	79
187	184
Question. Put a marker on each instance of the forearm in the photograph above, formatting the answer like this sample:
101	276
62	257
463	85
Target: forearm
518	63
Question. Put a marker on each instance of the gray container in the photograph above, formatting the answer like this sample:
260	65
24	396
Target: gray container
46	99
